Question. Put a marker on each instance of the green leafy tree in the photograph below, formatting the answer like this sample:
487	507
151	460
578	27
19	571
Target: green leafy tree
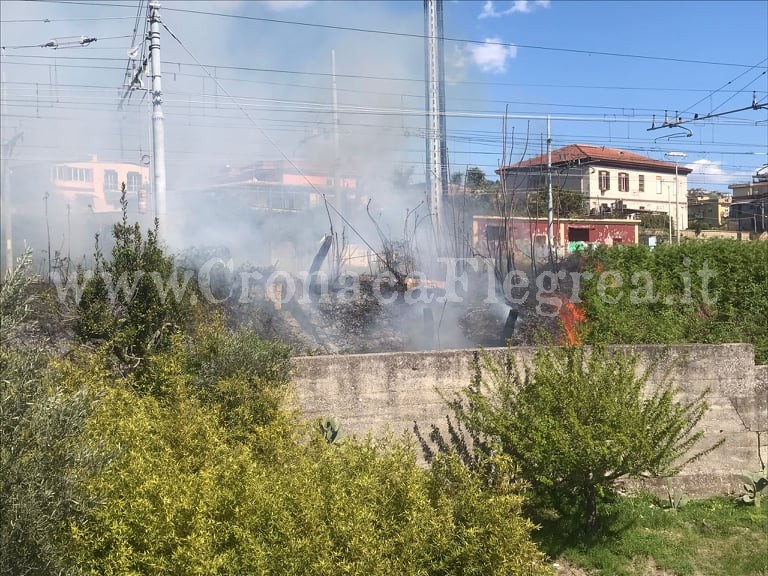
475	178
129	302
42	464
654	221
576	421
565	203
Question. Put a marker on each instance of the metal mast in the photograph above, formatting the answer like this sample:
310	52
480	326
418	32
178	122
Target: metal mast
158	130
550	209
5	196
338	193
437	153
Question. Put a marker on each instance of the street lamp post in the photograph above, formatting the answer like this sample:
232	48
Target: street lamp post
676	156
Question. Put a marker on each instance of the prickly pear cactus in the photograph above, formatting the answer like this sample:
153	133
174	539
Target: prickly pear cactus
329	427
754	484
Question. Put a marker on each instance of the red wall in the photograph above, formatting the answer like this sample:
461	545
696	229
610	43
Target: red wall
522	230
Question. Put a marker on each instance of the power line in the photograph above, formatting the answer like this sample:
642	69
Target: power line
66	42
50	20
479	138
133	39
353	76
395	94
279	150
716	90
754	103
417	36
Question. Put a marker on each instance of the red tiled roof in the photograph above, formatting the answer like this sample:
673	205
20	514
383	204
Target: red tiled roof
597	154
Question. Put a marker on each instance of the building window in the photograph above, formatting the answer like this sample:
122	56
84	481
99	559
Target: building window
623	182
578	234
641	183
110	180
658	184
133	183
63	173
605	180
82	174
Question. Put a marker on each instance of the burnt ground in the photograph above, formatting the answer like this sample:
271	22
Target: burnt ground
381	318
377	317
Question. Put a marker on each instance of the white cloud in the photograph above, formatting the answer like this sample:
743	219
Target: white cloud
488	11
492	56
526	6
518	6
710	173
285	5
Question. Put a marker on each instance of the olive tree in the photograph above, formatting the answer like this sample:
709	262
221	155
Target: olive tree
42	413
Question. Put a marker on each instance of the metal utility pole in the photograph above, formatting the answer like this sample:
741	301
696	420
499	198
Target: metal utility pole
550	209
677	207
669	212
158	130
4	189
338	194
676	156
437	153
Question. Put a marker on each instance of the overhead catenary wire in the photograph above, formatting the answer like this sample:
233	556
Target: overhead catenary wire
137	20
359	76
754	102
721	88
66	42
293	106
276	147
413	34
283	126
205	101
51	20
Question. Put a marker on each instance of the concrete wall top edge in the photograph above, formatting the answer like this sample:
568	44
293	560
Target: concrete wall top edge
742	349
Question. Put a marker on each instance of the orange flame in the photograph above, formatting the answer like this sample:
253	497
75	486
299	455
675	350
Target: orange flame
571	317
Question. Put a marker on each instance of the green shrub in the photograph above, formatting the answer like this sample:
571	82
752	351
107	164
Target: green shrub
577	420
731	307
240	374
185	498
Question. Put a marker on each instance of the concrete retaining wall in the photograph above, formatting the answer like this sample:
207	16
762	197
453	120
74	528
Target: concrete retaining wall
379	392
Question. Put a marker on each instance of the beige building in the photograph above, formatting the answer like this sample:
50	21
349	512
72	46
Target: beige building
97	184
749	210
750	190
611	181
710	209
64	204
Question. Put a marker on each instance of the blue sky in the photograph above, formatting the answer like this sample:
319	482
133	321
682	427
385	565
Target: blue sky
550	64
619	90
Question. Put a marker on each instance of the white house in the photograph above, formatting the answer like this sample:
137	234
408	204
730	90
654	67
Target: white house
610	180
